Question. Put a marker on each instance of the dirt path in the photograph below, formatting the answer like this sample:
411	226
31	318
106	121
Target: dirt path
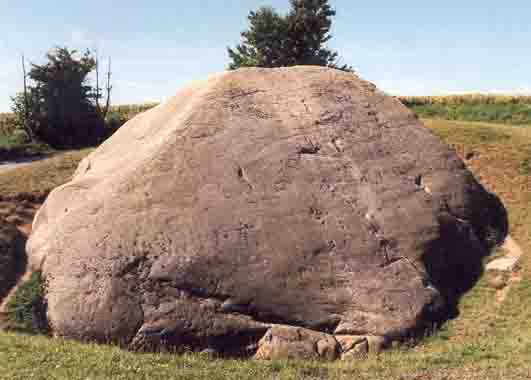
10	165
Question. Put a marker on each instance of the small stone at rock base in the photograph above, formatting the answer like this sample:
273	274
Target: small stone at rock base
505	264
359	351
327	348
497	282
287	342
348	342
470	155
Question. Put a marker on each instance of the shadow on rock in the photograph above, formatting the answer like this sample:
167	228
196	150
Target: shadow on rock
454	262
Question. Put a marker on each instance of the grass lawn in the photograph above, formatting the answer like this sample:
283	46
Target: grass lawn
489	340
496	113
506	109
4	141
22	188
42	176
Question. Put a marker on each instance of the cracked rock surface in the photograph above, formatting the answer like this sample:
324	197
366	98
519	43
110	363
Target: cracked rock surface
258	202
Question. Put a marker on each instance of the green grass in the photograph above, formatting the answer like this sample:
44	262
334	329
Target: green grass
4	141
515	110
502	113
487	340
43	358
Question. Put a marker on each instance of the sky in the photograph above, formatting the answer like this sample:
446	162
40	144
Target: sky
413	47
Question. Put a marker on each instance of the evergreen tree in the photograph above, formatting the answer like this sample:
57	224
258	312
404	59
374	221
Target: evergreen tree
298	38
309	23
262	44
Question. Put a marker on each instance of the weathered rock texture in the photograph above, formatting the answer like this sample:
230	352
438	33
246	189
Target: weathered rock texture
259	200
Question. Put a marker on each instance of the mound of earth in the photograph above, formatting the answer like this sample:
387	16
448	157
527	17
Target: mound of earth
266	212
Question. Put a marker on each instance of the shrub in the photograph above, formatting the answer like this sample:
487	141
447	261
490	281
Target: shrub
27	308
114	121
18	137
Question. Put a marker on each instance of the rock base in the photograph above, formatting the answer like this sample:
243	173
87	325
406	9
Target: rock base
288	342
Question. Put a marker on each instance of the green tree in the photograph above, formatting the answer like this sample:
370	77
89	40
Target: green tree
298	38
309	23
263	43
23	105
60	108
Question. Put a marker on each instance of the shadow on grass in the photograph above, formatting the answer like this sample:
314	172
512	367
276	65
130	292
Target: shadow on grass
13	258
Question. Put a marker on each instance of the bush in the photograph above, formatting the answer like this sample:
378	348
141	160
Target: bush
18	137
114	121
61	108
26	310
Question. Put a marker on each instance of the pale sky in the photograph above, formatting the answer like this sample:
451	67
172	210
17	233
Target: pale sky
414	47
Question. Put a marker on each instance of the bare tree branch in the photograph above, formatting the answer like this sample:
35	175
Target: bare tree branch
108	89
26	126
98	108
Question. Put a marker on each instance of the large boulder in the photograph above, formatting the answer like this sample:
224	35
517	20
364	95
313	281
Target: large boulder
264	199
